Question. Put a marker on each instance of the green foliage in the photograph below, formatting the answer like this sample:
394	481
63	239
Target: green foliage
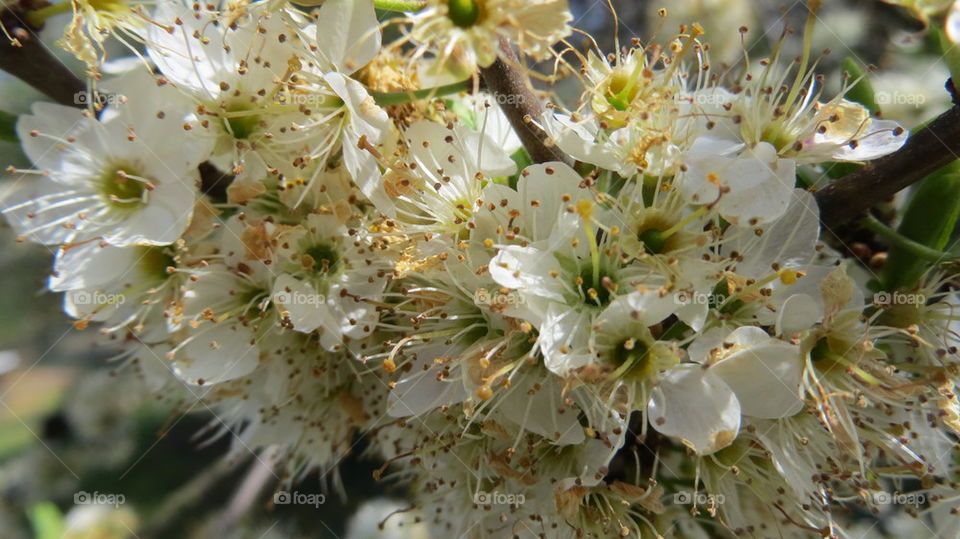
929	220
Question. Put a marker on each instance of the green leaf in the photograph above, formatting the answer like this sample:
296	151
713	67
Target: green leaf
462	111
951	53
929	220
522	159
46	520
8	127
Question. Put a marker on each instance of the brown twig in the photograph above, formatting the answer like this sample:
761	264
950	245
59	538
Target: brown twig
32	62
511	89
926	151
214	182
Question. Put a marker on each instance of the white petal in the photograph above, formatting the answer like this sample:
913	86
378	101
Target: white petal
543	412
53	124
650	307
527	269
181	56
151	225
798	313
490	158
765	375
306	308
695	407
563	339
789	241
578	141
422	392
541	189
217	354
39	209
92	265
952	26
348	33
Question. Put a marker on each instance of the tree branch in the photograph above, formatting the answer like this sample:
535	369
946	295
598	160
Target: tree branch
214	182
33	63
926	151
512	92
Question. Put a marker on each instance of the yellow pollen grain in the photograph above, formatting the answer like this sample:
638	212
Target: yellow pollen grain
789	276
585	209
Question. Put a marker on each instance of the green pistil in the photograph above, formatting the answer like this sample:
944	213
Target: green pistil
463	13
154	262
821	354
594	293
653	240
324	258
120	190
632	358
242	126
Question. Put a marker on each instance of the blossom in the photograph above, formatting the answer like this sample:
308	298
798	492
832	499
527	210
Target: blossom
748	373
652	340
746	184
287	105
129	178
466	34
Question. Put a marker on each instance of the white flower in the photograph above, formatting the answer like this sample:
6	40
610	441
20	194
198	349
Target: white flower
129	179
847	132
747	185
467	34
327	279
286	105
438	190
952	24
748	373
121	286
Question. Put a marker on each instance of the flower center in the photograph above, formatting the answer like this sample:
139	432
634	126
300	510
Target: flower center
241	121
596	292
123	189
653	240
320	258
632	357
154	262
463	13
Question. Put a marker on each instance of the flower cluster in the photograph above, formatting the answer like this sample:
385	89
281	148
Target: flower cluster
651	340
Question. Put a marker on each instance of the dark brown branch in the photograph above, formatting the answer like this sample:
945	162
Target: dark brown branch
926	151
33	63
512	92
214	182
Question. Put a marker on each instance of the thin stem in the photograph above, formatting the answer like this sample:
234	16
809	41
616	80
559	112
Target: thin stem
511	90
399	5
28	59
386	99
39	16
895	238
